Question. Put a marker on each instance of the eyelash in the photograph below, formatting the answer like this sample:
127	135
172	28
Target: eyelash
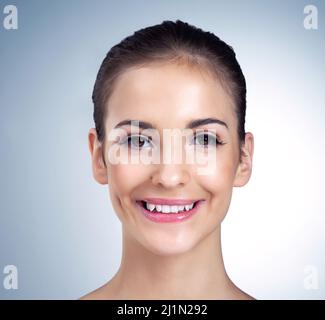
217	142
127	140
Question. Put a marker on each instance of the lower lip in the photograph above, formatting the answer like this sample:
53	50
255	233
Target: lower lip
169	217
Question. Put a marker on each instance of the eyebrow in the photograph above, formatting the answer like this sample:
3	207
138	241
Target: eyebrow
190	125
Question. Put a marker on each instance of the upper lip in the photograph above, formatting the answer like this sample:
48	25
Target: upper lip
168	201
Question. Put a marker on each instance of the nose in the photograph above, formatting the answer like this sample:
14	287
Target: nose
170	175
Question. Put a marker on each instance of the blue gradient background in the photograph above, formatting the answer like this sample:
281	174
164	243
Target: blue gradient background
57	224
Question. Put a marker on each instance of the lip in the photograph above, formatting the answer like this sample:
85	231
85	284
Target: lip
169	217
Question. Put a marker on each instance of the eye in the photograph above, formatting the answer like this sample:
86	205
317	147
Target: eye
206	139
137	141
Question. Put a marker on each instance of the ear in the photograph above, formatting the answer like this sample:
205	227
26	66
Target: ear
244	169
96	152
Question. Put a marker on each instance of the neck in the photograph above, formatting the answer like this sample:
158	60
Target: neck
196	274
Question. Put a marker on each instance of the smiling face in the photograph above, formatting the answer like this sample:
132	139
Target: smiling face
170	96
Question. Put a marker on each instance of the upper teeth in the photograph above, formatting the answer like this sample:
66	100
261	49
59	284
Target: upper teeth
168	209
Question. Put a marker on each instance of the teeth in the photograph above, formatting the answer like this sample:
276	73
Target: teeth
165	209
168	209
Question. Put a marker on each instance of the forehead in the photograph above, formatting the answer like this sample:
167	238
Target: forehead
168	94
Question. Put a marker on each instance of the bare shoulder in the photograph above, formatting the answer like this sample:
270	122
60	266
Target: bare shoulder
235	293
102	293
239	294
244	296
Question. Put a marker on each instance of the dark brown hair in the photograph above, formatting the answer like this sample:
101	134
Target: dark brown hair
171	41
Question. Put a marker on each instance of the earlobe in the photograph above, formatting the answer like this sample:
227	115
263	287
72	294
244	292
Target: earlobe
244	169
98	166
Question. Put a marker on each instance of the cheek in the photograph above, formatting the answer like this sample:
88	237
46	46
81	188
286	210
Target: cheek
221	175
218	185
124	178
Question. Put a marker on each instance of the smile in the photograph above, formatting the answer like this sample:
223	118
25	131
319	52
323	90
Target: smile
168	210
164	208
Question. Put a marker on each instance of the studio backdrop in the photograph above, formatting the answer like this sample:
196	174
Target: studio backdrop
59	235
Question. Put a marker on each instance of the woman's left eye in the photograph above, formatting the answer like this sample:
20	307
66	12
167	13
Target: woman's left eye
206	139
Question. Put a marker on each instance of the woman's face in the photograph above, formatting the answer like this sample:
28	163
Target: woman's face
170	96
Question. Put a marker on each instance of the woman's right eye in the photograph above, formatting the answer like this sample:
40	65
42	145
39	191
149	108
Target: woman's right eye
137	141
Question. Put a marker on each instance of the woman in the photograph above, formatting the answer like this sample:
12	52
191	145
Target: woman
170	76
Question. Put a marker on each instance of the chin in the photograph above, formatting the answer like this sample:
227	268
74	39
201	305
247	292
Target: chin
171	246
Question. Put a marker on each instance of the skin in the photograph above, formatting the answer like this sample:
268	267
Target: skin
172	260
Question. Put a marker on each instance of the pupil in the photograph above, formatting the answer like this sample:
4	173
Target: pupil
139	141
206	139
